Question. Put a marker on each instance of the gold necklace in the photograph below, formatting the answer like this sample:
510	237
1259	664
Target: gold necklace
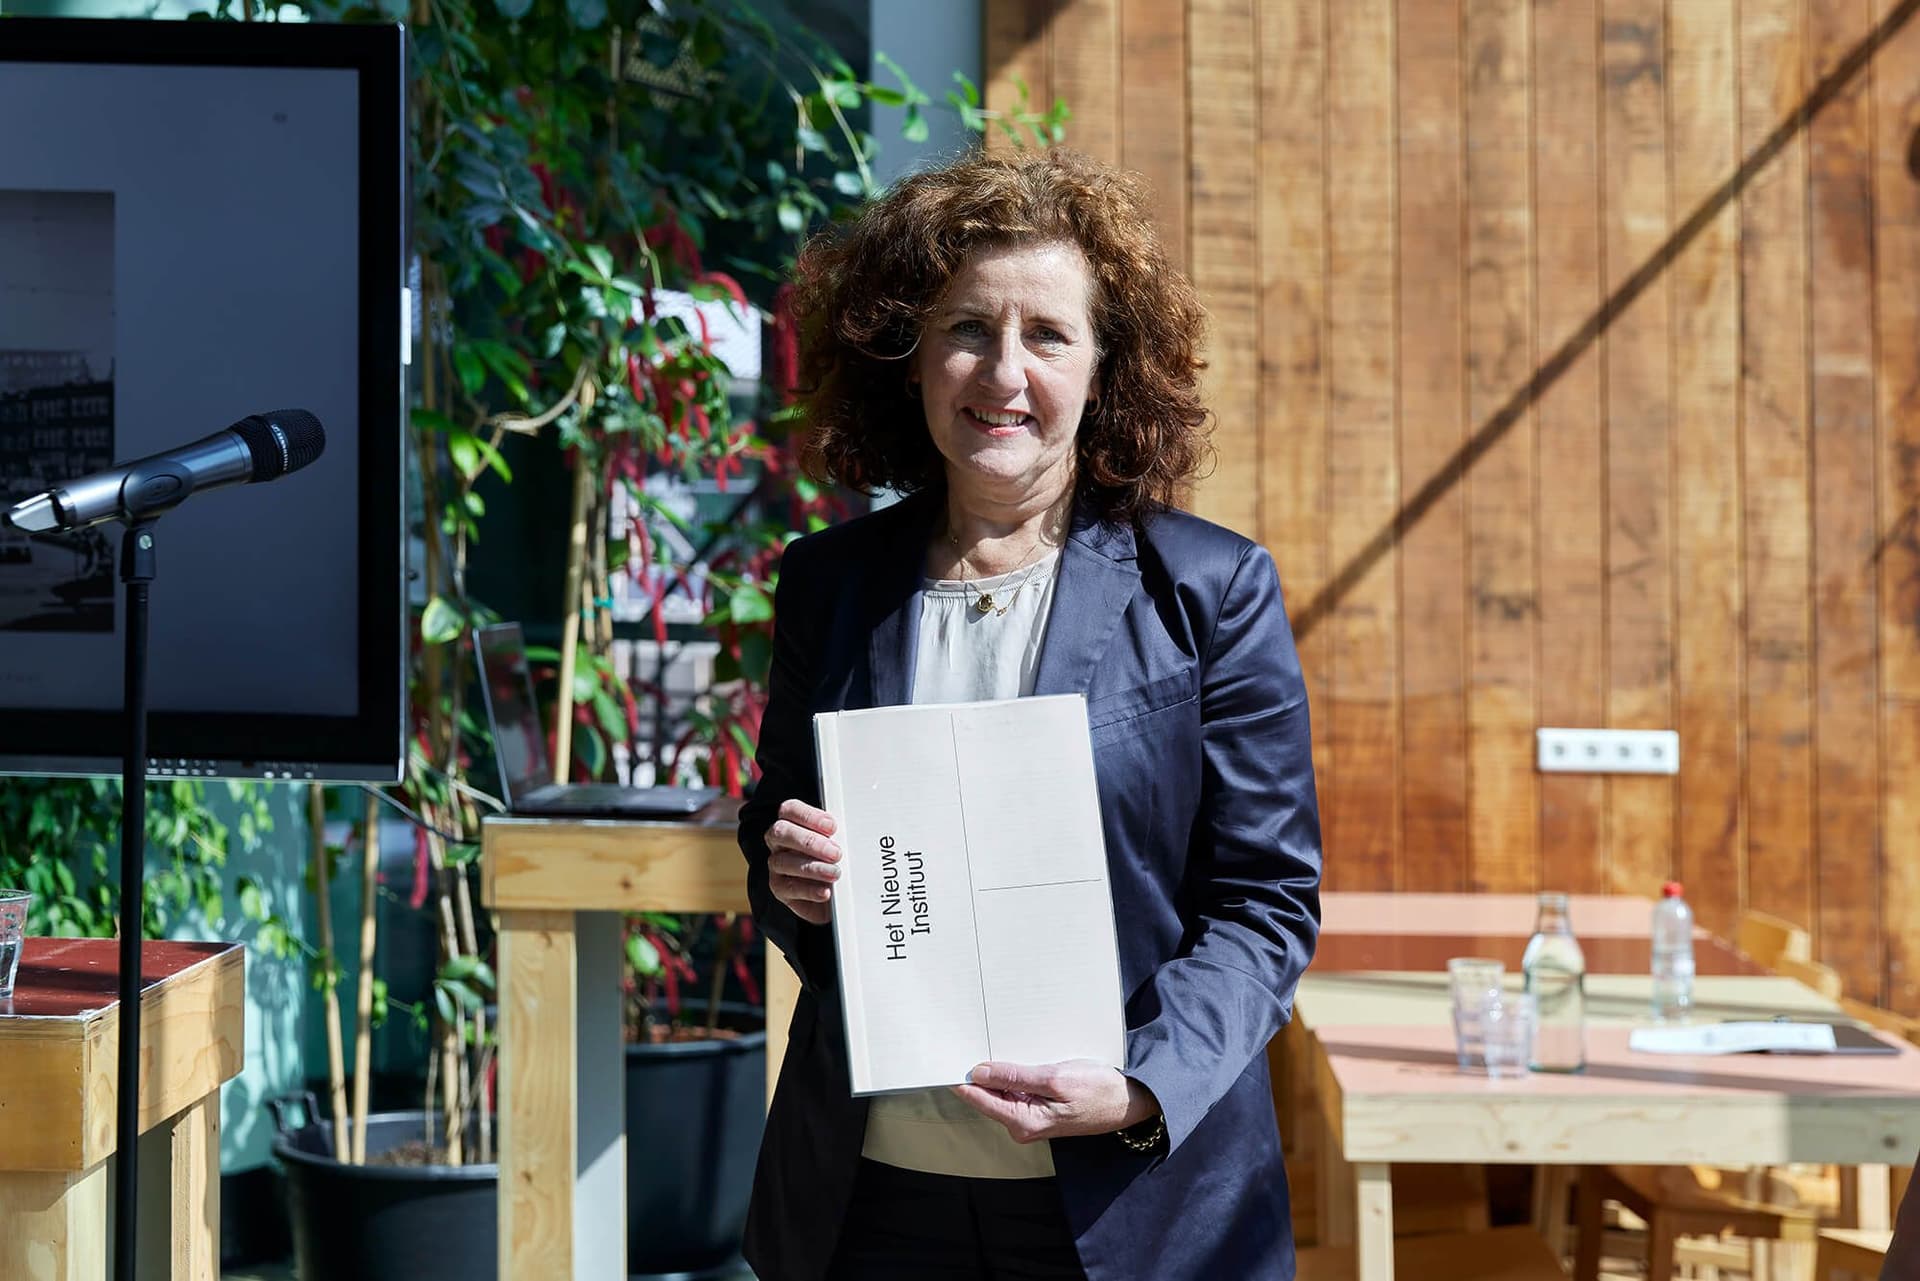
983	602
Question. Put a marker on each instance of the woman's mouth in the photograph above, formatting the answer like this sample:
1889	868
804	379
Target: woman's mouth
999	422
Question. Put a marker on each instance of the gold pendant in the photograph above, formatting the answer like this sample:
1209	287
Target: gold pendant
983	603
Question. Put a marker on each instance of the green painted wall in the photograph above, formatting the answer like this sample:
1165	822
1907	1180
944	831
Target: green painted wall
277	990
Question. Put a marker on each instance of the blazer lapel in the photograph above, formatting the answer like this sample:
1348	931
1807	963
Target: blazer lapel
893	604
1099	571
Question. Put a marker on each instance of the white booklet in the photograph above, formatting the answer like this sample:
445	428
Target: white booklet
973	918
1734	1038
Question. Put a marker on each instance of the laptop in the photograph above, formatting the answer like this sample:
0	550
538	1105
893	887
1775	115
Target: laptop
520	747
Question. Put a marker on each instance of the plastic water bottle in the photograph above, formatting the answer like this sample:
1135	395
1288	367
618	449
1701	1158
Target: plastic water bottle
1672	957
1556	976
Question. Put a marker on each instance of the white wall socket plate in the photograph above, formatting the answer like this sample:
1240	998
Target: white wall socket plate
1608	751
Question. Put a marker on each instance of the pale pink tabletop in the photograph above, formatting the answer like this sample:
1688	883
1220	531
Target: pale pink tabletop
1401	1096
1405	1061
1488	915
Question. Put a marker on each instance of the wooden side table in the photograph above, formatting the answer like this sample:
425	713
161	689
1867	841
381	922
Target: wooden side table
559	887
59	1049
1390	1092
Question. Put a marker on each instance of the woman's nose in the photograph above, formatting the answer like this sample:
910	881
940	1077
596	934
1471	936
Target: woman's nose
1003	366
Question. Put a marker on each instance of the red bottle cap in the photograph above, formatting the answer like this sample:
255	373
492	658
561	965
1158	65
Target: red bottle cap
1672	889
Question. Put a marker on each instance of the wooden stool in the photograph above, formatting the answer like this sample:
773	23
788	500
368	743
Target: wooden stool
1672	1212
1823	979
1694	1256
1767	939
1427	1197
59	1043
1855	1252
1502	1254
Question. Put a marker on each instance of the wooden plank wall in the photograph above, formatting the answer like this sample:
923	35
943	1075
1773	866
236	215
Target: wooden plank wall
1566	354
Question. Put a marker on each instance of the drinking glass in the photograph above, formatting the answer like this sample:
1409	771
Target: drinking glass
1507	1022
1470	979
13	928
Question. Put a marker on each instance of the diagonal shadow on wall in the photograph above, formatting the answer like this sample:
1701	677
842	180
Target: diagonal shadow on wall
1549	371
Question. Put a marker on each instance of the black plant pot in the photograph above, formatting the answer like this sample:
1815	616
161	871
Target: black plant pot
695	1113
387	1223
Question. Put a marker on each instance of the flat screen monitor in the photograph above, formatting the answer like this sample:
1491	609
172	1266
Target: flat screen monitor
201	221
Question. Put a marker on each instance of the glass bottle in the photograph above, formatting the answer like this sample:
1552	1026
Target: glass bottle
1556	976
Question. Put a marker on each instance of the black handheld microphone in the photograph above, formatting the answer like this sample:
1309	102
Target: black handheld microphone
260	447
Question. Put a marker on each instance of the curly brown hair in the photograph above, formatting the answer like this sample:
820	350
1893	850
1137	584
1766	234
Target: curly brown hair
864	290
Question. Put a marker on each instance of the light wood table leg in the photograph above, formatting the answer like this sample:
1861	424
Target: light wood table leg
538	976
1373	1203
1872	1196
59	1227
562	1100
782	994
1335	1206
179	1220
1783	1260
1551	1184
50	1225
600	1092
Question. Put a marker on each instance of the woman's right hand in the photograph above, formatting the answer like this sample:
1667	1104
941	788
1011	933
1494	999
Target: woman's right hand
803	861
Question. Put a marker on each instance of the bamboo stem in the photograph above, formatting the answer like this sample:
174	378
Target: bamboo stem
450	1083
363	998
470	944
433	1082
442	715
722	957
336	1058
570	624
600	591
450	1117
457	1140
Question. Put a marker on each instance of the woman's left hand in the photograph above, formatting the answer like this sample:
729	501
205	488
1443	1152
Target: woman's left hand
1057	1100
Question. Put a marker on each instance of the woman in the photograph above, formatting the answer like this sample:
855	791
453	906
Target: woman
1003	341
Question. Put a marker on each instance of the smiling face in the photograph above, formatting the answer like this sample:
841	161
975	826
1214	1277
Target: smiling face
1006	366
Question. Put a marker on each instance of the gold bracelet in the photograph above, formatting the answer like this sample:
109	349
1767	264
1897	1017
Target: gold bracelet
1155	1131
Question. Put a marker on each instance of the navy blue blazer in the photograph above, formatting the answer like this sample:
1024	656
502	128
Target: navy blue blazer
1175	632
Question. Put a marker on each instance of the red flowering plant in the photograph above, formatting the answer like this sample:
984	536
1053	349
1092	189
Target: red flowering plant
595	183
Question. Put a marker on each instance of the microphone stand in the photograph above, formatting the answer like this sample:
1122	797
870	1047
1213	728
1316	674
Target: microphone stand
141	492
137	565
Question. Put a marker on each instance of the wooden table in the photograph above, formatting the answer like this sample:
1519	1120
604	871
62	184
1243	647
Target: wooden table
560	888
59	1057
1390	1091
1364	932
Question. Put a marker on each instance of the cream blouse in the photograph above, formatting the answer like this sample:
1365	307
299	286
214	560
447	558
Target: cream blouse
967	656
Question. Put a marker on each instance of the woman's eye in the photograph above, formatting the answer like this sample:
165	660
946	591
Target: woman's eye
1045	334
969	328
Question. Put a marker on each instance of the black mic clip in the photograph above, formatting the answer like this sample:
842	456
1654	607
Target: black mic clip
153	488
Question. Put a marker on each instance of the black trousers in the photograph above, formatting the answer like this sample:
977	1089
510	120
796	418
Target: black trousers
935	1227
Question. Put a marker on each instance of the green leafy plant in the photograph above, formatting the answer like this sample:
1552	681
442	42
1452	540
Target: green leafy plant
60	838
574	168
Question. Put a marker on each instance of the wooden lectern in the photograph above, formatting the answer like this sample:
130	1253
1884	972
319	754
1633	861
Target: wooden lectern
59	1046
559	887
